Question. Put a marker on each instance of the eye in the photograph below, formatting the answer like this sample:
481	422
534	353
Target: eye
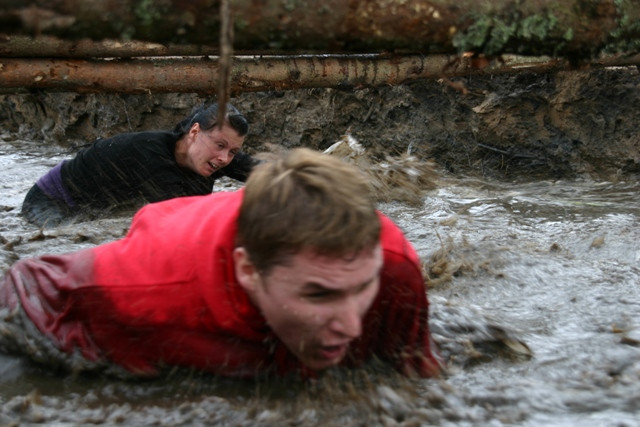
321	295
317	294
362	288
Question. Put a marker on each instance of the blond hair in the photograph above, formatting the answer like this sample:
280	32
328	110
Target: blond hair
306	200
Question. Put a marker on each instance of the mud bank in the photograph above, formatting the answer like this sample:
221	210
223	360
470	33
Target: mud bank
524	126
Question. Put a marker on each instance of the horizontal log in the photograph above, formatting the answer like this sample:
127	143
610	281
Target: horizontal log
250	74
571	28
20	46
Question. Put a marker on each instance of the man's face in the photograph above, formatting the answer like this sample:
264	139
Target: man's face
315	304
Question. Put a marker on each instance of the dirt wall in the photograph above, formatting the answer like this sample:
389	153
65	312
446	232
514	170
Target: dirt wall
517	126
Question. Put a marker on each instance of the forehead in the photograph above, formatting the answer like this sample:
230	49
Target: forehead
227	134
333	272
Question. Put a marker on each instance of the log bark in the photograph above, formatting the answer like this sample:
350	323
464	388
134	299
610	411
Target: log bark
20	46
250	74
571	28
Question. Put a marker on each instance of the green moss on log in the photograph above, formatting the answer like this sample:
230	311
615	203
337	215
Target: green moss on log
150	15
493	35
625	36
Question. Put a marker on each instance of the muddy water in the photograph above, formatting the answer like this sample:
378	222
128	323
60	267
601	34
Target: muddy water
550	268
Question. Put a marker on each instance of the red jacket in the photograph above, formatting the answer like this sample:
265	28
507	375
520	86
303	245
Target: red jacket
166	294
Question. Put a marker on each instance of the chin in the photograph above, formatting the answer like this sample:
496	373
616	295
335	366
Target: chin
321	365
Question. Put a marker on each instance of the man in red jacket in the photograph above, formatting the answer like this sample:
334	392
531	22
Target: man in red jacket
295	273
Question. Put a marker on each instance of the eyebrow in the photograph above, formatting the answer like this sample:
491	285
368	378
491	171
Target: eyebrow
315	287
228	144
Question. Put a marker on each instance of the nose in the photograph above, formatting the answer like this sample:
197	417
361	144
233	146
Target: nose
347	320
223	157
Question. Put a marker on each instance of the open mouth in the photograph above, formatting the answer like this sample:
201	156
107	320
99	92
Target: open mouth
333	352
213	166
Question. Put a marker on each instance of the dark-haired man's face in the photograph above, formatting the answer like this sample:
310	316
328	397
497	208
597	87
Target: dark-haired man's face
314	304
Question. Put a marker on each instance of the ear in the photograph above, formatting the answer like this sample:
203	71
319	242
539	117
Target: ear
193	131
246	272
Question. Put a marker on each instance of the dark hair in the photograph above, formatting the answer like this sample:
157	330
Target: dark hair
207	117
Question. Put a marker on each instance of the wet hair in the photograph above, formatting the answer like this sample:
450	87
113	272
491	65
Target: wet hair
207	117
306	200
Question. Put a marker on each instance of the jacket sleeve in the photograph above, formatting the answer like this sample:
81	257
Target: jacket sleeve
51	291
407	340
402	308
240	167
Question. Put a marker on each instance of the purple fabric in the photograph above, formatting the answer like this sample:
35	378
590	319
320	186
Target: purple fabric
51	185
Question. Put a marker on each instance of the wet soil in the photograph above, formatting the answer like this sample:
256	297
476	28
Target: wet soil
534	306
526	126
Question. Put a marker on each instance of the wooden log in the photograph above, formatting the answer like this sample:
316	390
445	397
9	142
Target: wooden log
21	46
250	74
571	28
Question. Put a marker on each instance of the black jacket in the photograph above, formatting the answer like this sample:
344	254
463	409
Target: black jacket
137	168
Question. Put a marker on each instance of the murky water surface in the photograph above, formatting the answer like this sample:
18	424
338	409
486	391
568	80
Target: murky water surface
547	267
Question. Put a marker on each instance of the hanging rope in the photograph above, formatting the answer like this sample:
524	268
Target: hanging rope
225	62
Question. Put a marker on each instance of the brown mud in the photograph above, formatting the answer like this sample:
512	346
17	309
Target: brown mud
523	126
